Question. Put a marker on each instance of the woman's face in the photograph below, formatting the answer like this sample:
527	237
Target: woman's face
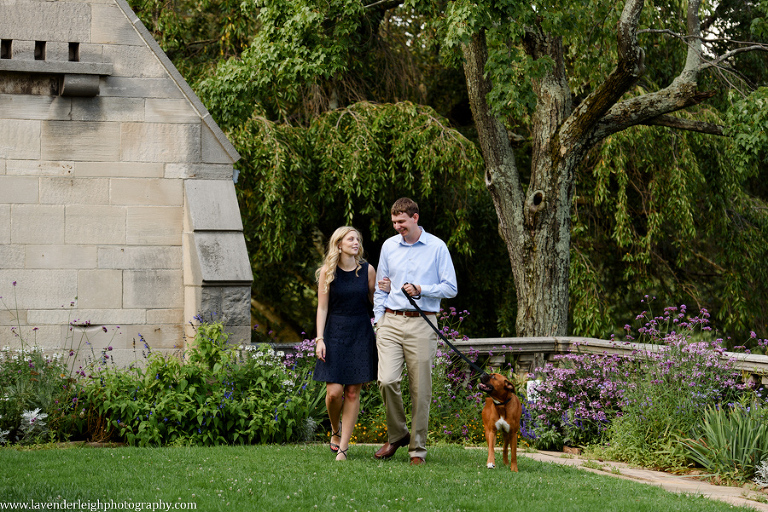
350	244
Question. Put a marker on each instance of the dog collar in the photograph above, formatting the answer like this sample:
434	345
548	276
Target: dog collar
505	402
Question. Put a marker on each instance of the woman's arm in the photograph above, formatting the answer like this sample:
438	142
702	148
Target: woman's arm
322	315
371	282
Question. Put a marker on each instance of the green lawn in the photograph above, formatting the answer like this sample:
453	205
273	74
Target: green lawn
305	477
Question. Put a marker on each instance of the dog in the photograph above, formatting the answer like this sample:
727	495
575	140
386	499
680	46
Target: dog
501	412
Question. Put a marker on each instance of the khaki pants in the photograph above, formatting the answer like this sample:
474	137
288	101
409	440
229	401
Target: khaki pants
408	341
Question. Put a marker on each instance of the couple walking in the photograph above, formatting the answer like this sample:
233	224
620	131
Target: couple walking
350	354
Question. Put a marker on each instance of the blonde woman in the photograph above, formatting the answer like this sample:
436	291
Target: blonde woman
345	345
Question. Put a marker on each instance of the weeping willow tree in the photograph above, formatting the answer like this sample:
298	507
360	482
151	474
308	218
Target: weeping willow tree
348	166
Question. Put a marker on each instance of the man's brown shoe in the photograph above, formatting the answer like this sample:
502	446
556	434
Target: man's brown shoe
388	450
417	461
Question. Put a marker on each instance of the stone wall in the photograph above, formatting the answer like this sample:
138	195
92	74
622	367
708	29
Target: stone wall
117	205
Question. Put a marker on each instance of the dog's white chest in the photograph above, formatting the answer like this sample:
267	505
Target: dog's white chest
501	424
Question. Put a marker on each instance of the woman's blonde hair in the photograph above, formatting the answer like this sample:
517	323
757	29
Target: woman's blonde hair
332	255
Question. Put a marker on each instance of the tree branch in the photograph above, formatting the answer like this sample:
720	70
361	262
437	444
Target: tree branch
685	124
640	109
628	70
680	94
729	54
501	174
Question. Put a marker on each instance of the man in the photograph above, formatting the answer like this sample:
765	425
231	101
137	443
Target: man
422	264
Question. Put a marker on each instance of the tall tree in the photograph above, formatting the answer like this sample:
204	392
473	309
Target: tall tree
535	220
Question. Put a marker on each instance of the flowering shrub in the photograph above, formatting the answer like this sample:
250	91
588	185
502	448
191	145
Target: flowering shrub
673	383
636	404
221	395
30	381
577	400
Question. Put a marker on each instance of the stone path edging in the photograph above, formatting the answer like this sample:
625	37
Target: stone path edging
667	481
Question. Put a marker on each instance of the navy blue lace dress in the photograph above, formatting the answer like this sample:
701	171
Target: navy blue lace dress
350	344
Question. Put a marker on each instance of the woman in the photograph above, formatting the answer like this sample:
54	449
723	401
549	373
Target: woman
345	345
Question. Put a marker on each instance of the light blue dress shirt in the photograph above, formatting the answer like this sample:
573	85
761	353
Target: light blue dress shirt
426	263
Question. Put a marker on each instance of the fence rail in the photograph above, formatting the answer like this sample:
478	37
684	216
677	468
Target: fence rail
531	353
534	352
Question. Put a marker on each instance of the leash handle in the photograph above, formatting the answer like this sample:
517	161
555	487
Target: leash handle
424	316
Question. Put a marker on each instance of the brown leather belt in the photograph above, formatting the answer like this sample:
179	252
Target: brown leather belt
408	313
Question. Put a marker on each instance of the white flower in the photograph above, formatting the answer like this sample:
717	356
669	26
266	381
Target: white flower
33	416
761	474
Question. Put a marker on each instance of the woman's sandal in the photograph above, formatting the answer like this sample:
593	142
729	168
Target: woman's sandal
335	433
342	452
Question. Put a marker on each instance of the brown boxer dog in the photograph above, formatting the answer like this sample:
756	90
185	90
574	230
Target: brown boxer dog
501	412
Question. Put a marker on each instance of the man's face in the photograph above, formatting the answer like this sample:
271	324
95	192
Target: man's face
407	226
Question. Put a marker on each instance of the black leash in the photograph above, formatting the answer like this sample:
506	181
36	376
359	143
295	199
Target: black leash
424	316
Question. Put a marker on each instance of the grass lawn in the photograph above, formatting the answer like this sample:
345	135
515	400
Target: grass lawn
305	477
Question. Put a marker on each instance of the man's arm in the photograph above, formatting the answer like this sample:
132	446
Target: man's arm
446	288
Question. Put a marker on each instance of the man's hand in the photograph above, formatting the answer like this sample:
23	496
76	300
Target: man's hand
413	290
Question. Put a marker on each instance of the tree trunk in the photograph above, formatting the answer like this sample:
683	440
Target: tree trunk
536	225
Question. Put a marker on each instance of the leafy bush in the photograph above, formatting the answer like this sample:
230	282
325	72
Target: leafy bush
220	395
731	441
671	384
30	382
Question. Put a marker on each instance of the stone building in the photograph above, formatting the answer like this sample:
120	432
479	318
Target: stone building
117	201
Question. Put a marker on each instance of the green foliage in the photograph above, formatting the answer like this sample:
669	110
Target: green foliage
219	396
731	441
759	25
363	149
209	348
29	381
301	48
674	222
672	382
747	125
346	161
591	316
